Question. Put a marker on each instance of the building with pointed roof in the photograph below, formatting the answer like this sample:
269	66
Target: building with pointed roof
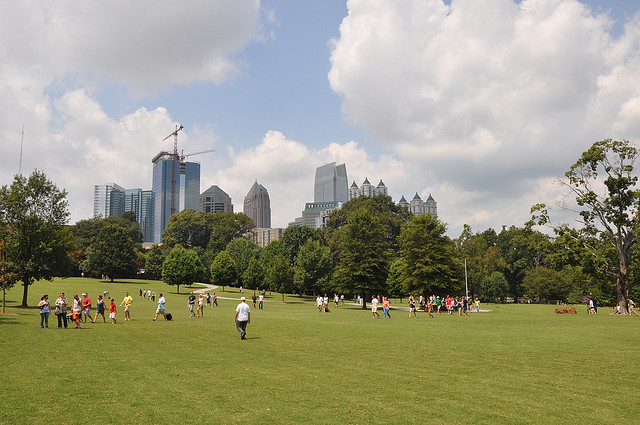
418	207
215	200
367	189
257	205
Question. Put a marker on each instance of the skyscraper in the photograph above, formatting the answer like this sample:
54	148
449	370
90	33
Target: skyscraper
141	202
187	191
108	200
331	183
257	205
214	200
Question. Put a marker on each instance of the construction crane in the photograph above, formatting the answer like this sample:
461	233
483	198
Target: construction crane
174	175
183	165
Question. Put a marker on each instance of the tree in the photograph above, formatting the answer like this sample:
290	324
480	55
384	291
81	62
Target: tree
363	255
429	263
242	250
605	188
223	270
187	228
182	267
112	253
225	227
546	284
254	275
313	267
394	280
294	237
494	287
32	214
280	275
7	277
155	258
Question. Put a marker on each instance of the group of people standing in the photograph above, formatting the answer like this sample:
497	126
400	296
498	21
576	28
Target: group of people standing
81	309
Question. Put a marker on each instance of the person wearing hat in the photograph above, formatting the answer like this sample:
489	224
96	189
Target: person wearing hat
243	317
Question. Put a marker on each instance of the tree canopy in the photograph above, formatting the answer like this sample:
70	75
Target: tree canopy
603	182
112	253
182	267
33	212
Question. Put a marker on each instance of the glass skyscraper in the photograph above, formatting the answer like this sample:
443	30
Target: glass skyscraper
108	200
187	190
331	183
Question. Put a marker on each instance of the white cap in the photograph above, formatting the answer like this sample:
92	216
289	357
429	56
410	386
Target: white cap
242	298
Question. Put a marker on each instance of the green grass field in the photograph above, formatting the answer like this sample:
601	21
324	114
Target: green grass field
518	364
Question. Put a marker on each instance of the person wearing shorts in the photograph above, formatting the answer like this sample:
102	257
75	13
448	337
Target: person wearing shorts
127	301
162	309
191	303
112	312
412	307
76	310
374	307
86	307
99	309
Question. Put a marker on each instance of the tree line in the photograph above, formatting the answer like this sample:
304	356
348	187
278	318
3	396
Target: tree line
368	247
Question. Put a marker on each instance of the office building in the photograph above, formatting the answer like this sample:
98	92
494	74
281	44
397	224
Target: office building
418	207
262	237
168	172
141	203
108	200
215	200
331	183
257	205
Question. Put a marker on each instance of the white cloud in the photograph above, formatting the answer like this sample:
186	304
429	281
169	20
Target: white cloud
485	102
144	44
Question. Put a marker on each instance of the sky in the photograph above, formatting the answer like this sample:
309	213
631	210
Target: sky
481	104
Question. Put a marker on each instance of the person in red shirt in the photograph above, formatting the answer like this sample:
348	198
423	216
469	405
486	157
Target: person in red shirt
112	312
86	307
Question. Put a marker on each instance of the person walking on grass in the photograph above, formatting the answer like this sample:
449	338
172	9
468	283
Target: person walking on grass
214	300
261	301
76	310
385	307
45	310
412	307
127	301
86	307
374	307
112	311
319	303
191	303
430	308
477	305
201	306
99	310
242	318
162	309
61	310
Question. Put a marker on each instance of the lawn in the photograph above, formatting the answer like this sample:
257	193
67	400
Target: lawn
518	364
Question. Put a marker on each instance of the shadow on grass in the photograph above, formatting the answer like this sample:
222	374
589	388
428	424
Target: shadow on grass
9	319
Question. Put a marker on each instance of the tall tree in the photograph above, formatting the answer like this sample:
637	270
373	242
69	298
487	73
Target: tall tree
313	267
155	258
227	226
280	275
429	264
223	270
604	185
294	237
253	276
112	253
546	284
182	267
187	228
32	214
494	287
363	255
242	250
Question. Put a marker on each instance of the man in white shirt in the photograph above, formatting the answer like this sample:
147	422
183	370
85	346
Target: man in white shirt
374	306
243	317
319	303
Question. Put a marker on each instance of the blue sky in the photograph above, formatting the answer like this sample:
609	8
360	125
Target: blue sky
480	104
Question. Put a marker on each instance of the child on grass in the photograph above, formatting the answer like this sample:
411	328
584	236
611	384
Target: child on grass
112	312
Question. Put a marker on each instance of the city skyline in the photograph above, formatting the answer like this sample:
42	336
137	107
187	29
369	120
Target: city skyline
482	107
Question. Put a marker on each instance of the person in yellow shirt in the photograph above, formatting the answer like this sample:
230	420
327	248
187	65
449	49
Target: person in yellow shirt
127	303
